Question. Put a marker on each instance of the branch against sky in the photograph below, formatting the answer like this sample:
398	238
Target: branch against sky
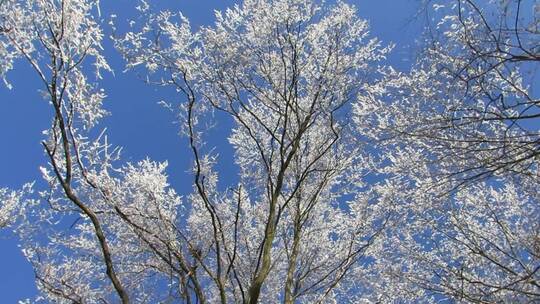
295	228
12	205
57	39
472	96
297	224
460	133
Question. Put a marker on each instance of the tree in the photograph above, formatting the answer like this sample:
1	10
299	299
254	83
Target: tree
461	134
471	94
297	226
56	38
356	182
10	209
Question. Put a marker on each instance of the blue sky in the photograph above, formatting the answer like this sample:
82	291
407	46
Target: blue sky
137	122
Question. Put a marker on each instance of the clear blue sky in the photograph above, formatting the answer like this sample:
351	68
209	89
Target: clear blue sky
137	122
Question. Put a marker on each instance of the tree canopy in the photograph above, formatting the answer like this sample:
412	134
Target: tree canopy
356	182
